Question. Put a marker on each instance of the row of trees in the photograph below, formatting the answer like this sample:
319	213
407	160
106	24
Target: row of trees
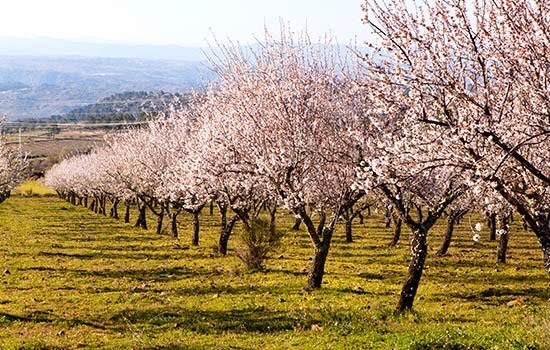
448	114
13	167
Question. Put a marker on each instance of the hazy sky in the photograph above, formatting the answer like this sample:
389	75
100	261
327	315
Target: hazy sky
181	22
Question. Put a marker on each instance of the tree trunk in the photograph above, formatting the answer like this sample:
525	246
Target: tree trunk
322	220
397	230
451	221
361	218
196	227
114	209
349	230
504	236
86	202
297	223
102	206
211	208
142	217
541	227
126	212
546	251
317	271
387	217
416	267
225	233
493	226
272	219
173	224
160	219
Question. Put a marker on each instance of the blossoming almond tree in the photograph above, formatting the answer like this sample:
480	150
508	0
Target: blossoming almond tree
284	110
477	72
397	170
12	170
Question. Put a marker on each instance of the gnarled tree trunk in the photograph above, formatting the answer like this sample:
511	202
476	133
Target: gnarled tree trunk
317	271
416	267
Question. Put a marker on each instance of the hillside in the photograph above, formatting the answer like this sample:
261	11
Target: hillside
128	106
39	87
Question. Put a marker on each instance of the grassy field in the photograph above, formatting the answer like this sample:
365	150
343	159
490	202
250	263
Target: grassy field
45	149
73	279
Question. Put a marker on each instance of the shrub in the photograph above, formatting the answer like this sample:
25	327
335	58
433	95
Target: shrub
257	243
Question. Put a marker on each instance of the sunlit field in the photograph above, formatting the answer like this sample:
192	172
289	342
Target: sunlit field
74	279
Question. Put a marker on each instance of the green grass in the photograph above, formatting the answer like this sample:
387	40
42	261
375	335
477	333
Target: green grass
73	279
33	188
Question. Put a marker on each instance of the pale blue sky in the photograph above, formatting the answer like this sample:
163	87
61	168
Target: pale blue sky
180	22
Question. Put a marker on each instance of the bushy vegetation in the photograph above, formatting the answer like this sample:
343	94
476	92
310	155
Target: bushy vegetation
257	243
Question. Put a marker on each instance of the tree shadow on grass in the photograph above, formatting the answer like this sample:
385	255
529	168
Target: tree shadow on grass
248	320
144	275
46	317
488	293
221	290
143	254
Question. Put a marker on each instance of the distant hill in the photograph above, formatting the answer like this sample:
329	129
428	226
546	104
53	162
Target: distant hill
42	77
124	107
38	87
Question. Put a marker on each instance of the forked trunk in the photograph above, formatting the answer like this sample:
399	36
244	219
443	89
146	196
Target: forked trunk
416	267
